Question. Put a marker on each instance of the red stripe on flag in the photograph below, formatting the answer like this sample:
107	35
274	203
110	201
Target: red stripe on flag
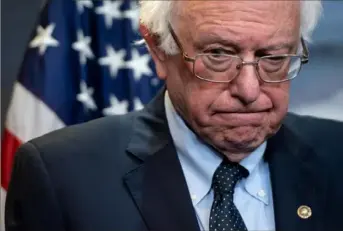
9	146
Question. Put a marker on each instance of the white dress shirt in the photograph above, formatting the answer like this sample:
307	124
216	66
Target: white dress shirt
253	195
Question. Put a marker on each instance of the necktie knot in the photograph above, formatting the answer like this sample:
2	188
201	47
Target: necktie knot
226	177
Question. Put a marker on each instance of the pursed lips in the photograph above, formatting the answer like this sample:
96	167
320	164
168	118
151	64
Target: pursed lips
243	111
242	118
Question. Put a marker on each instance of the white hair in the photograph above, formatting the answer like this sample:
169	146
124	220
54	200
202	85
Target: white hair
155	15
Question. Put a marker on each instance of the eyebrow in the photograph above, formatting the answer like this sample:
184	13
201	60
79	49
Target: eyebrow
214	38
280	46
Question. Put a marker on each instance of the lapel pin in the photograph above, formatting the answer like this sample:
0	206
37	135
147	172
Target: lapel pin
304	212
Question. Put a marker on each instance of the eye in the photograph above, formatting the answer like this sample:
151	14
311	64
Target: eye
273	63
219	51
276	59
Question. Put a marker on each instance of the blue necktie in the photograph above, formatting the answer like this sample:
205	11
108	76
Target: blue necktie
224	215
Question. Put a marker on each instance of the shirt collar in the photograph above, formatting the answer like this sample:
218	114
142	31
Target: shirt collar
198	160
256	184
252	160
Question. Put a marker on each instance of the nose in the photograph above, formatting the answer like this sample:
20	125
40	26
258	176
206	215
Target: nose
246	86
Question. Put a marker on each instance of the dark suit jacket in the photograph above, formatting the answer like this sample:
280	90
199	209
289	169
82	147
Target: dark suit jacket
122	173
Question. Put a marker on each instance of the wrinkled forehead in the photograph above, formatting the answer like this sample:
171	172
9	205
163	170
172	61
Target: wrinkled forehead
250	24
275	12
271	8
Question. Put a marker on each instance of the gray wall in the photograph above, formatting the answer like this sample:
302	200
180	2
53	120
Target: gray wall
318	90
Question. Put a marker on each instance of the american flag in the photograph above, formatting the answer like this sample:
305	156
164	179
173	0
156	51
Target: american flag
81	63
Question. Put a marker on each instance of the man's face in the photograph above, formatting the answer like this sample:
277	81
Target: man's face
236	117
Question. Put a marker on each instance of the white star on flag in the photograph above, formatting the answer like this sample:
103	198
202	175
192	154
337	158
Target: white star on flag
83	3
114	60
44	38
85	96
154	81
110	10
133	15
139	64
137	104
116	108
82	45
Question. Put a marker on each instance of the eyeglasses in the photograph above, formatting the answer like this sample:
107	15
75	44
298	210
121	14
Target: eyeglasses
223	68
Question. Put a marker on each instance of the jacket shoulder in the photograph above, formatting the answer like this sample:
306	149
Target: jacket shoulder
324	136
103	139
99	131
315	130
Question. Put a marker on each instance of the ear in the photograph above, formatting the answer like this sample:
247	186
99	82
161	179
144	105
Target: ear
157	54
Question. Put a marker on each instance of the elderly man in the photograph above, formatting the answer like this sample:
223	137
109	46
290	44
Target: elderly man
215	150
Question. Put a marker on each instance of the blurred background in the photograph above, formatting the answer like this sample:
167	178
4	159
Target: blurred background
69	61
318	90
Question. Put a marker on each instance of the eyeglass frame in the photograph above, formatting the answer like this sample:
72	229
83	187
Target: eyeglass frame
304	58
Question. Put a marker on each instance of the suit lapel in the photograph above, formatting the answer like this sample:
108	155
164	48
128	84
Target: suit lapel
159	189
296	181
157	185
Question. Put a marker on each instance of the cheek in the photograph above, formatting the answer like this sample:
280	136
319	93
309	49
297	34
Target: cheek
201	97
279	96
192	96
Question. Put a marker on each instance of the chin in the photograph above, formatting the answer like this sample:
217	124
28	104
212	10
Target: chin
236	151
241	146
239	141
236	158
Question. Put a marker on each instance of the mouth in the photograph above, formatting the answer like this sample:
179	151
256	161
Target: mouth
243	111
241	114
241	118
